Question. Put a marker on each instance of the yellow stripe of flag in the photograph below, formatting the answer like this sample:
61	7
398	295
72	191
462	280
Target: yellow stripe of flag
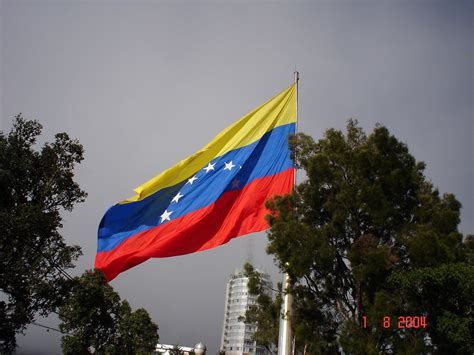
278	111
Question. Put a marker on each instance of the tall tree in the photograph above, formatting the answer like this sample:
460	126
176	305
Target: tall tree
36	185
94	317
367	239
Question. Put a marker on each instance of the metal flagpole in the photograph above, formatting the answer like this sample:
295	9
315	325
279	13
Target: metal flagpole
297	79
285	336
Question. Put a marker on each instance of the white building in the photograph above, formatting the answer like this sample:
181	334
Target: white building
236	334
165	349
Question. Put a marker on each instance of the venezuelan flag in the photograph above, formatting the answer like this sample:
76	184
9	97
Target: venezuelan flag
205	200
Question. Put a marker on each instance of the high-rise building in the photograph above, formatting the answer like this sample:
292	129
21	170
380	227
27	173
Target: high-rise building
236	334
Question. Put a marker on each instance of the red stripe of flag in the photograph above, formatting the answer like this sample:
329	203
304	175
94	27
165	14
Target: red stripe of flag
235	213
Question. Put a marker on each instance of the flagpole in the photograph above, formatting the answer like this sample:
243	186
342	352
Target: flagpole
285	336
297	79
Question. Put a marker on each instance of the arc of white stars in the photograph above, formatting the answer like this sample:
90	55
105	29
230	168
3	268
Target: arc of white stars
166	216
191	180
177	197
209	167
229	166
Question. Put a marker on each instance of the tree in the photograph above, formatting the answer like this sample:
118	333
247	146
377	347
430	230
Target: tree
36	186
95	316
364	237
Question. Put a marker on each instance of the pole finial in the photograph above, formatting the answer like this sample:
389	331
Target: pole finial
297	76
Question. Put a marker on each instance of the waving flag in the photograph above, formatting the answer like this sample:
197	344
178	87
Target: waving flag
205	200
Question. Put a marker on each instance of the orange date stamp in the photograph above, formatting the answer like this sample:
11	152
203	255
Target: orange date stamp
401	322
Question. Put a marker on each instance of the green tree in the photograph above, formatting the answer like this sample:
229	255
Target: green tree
95	316
365	236
36	185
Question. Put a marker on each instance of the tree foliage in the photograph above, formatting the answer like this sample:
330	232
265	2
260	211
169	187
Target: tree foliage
367	236
36	185
95	316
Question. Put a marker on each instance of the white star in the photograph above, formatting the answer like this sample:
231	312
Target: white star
166	216
229	166
209	167
191	180
177	197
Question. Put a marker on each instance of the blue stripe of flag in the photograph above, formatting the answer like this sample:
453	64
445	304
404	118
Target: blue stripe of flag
265	157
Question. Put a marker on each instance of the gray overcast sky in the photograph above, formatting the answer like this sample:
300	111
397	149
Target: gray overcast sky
143	84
